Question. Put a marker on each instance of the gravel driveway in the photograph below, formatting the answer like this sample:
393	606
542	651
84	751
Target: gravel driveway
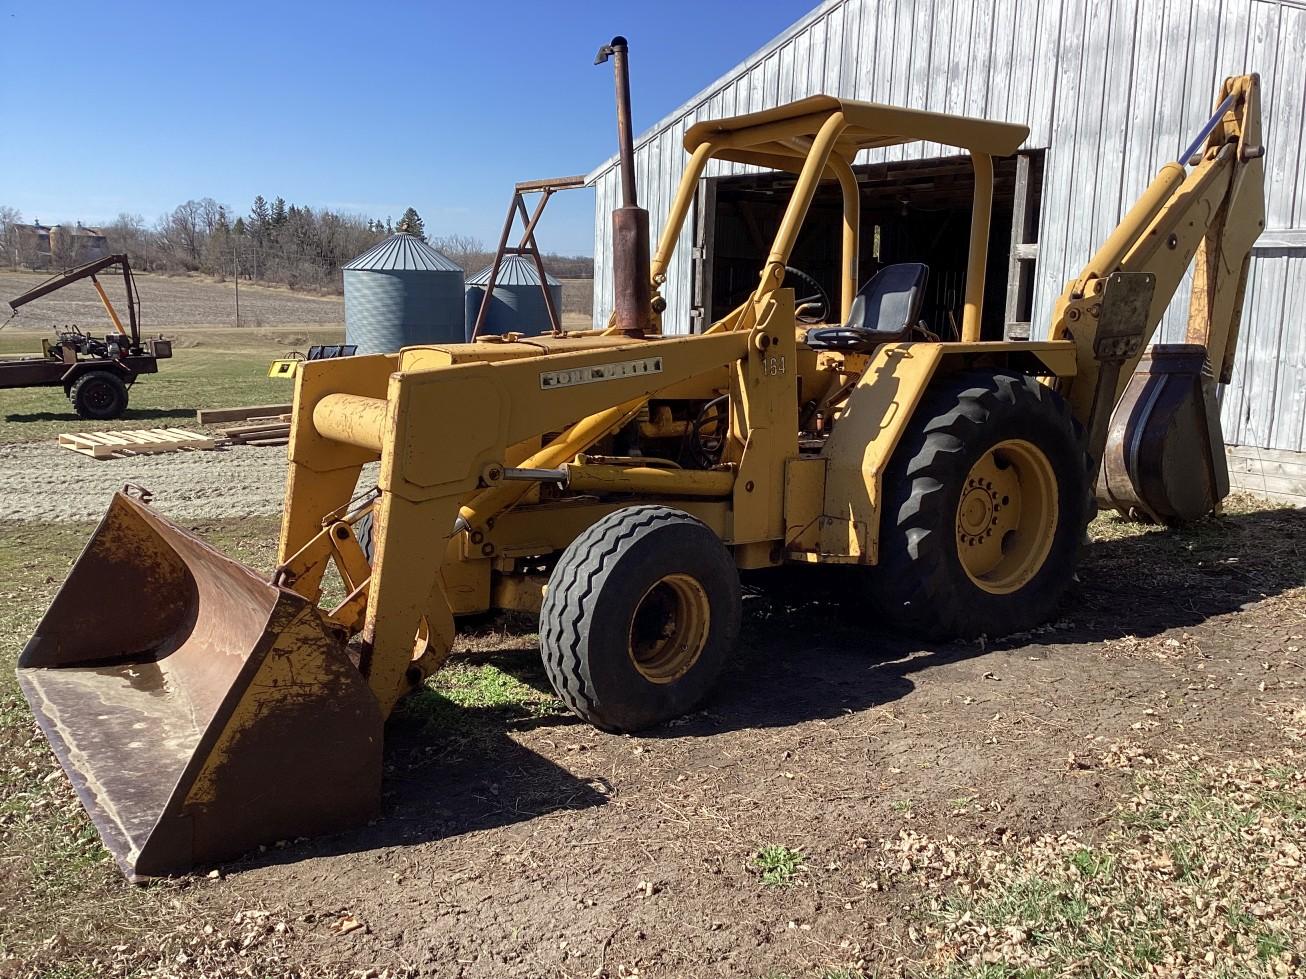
41	481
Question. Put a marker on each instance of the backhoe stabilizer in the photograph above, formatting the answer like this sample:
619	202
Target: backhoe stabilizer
214	712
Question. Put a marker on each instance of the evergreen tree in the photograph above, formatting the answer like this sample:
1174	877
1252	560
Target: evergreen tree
411	223
278	212
238	229
259	216
260	219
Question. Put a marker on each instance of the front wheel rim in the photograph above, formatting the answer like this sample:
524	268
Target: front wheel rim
668	631
1007	516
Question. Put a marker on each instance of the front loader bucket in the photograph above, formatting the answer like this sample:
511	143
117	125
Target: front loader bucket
1164	457
198	710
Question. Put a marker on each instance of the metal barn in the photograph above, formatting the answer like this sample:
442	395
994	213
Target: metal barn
1111	90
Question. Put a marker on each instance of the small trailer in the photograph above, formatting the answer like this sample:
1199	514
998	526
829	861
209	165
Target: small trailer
94	372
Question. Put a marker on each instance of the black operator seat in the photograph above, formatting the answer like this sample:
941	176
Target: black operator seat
885	310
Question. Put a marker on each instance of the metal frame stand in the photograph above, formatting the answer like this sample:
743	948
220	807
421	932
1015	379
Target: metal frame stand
527	245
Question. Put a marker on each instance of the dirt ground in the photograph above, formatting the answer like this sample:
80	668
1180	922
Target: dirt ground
517	841
555	850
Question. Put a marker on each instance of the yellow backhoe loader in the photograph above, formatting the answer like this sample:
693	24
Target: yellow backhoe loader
618	481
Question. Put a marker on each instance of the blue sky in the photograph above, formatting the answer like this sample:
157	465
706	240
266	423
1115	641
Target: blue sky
366	107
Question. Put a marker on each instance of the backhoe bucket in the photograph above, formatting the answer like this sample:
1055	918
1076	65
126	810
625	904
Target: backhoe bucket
198	710
1164	457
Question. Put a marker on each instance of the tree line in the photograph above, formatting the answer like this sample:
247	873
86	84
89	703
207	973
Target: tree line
288	244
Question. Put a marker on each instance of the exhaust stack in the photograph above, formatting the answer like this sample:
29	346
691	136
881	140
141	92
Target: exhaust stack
630	245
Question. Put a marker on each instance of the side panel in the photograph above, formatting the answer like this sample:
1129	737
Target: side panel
858	451
877	415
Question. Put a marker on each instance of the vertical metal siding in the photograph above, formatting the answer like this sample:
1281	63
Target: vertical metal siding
1110	104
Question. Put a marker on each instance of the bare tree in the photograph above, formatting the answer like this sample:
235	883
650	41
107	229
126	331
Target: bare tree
128	235
182	233
306	249
465	250
10	218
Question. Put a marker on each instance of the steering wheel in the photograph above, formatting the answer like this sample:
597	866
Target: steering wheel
817	302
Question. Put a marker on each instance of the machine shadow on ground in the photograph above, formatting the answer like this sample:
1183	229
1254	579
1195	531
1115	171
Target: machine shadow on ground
449	771
439	755
1130	582
131	414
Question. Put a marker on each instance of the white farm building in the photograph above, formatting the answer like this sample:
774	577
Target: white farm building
1111	90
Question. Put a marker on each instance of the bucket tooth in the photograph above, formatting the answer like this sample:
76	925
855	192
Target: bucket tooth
198	710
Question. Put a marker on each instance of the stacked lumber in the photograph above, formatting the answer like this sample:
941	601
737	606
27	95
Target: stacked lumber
216	416
260	430
143	441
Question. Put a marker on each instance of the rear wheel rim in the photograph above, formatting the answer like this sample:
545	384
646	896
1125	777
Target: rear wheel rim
668	631
1007	516
101	396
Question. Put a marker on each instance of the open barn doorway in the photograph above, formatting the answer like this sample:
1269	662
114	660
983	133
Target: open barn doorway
915	211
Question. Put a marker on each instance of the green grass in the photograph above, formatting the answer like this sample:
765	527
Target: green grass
1190	865
484	685
56	880
779	866
195	377
1090	863
470	702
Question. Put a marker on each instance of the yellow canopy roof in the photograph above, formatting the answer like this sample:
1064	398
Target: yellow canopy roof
776	137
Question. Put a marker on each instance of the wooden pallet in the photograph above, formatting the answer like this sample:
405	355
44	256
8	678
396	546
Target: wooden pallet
143	441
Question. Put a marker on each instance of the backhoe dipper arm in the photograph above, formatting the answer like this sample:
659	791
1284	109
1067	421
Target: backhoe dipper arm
1212	213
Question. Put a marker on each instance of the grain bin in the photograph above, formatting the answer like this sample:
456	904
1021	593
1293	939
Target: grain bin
400	293
518	303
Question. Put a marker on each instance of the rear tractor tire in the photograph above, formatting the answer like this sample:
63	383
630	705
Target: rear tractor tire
98	396
987	500
640	616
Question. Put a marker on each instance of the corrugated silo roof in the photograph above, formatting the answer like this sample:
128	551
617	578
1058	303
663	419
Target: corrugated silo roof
402	252
516	270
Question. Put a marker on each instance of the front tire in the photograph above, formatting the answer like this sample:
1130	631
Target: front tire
641	614
987	500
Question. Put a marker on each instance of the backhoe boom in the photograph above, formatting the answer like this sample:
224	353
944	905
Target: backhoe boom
1212	212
